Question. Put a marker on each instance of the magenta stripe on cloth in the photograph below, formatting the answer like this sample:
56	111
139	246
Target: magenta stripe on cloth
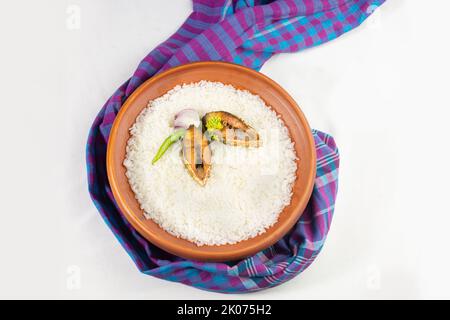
246	32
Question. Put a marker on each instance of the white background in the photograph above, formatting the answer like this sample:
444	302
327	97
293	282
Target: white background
382	90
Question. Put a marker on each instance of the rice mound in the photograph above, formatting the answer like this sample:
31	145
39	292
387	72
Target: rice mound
247	188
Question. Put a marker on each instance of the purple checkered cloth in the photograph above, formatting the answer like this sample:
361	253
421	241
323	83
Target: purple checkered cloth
246	32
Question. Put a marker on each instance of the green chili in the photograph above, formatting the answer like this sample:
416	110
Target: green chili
174	137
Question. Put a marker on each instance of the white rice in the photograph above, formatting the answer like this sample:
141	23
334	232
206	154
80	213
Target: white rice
247	188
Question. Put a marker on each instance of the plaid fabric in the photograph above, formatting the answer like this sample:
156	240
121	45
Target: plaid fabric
248	33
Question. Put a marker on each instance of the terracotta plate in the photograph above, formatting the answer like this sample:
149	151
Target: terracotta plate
241	78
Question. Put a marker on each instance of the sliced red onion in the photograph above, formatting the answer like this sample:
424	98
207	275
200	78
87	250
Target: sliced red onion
185	118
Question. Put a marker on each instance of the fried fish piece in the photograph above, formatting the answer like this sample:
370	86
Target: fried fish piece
197	155
230	129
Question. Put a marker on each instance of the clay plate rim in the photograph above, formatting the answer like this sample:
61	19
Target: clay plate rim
183	248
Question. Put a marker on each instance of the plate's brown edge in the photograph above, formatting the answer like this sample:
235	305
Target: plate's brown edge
189	252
